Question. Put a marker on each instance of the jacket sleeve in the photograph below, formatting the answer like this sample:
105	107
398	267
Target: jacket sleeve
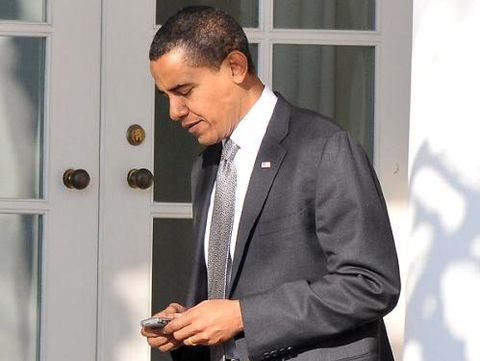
362	281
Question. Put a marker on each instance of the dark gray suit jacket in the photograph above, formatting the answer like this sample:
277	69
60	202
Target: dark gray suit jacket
315	266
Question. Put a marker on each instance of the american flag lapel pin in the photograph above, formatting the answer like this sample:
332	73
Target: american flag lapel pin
266	165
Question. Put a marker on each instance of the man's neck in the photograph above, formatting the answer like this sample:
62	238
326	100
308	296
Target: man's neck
253	88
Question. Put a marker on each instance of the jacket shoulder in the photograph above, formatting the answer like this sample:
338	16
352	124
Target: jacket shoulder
308	121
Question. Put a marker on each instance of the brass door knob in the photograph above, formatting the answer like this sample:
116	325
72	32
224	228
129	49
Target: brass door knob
76	178
140	178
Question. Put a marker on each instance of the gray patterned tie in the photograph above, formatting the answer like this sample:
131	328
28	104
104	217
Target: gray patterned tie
219	260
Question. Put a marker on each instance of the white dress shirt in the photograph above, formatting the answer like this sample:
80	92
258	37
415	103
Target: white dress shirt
248	135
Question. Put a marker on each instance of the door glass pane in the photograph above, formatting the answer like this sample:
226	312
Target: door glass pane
173	251
324	14
254	53
245	11
20	248
337	81
22	73
175	150
22	10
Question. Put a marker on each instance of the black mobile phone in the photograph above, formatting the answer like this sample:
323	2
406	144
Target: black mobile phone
155	322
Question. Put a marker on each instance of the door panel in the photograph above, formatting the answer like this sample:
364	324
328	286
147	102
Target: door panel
49	120
172	260
20	275
244	11
337	81
71	216
23	10
22	74
172	175
172	257
125	231
324	14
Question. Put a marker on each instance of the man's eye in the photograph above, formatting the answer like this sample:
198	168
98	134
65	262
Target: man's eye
186	92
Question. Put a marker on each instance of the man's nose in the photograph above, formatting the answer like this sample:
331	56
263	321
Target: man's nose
178	109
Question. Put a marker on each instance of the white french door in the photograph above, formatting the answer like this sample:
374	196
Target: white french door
49	123
80	268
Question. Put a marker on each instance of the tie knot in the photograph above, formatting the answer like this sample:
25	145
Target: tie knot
229	150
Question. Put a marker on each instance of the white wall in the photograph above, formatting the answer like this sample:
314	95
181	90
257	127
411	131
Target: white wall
443	285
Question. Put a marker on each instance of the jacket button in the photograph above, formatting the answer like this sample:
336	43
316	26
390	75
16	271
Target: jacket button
274	353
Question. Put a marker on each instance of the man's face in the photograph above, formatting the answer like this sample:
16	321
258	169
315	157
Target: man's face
204	100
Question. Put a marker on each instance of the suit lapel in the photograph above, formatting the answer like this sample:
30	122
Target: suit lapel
203	179
263	175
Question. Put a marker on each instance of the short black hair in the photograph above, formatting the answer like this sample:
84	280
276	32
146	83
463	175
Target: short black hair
206	34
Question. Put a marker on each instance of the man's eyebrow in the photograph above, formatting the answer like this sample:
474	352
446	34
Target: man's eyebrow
179	87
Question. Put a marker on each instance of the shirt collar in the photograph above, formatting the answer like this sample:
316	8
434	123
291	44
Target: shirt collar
251	128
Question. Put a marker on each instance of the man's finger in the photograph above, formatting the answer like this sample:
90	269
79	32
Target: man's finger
174	308
185	333
169	346
158	341
151	332
178	322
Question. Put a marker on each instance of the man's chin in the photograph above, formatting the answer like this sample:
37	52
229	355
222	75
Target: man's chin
205	141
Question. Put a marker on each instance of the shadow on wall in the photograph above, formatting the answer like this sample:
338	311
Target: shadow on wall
443	290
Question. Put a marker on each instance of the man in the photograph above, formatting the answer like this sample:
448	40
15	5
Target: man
300	261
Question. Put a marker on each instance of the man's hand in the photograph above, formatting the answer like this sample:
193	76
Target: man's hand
157	337
208	323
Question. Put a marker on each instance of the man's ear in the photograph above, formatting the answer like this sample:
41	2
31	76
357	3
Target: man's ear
238	66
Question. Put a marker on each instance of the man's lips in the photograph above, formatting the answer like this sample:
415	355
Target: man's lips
189	126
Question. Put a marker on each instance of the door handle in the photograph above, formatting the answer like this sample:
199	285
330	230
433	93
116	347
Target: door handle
76	178
140	178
